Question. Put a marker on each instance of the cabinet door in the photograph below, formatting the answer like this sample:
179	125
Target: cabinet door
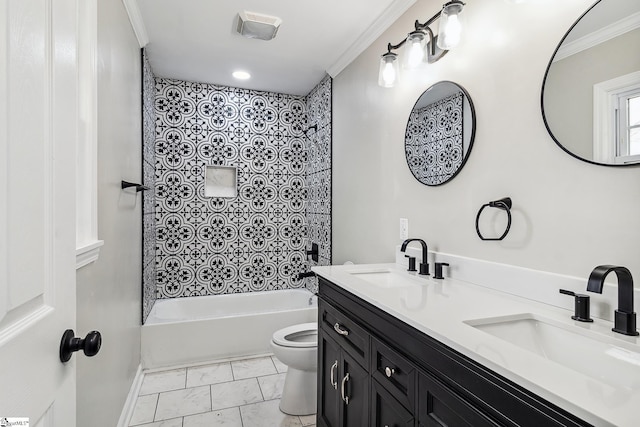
329	364
354	393
386	410
439	406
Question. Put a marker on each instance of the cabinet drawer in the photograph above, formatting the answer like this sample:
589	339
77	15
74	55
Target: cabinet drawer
347	333
438	406
387	411
394	372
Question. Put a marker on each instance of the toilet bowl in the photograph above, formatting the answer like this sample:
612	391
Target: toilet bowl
297	347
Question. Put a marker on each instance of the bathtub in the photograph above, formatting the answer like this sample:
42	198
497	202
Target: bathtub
189	330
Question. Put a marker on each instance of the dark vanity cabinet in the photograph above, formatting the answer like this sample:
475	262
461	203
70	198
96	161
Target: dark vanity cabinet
375	370
343	348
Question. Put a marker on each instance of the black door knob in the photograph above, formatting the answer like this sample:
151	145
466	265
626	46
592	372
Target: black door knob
90	345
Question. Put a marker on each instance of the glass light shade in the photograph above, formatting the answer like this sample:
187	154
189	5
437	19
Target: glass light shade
414	51
388	74
451	23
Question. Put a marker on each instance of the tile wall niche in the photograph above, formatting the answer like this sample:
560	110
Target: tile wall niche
255	241
148	197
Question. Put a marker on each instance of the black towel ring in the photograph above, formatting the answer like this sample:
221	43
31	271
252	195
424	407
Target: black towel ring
504	204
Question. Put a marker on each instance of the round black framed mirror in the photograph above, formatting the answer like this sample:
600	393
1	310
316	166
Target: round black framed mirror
590	96
440	133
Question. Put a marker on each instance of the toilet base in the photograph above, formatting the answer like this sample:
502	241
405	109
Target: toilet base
299	395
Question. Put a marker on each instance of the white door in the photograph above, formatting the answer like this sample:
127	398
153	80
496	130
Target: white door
38	127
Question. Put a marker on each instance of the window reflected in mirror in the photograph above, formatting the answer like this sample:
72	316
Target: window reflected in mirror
591	90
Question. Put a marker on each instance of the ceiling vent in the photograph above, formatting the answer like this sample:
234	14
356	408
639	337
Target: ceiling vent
257	26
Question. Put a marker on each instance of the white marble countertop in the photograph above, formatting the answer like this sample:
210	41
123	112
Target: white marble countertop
439	308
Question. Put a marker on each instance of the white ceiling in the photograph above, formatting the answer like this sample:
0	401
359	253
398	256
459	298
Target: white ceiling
195	40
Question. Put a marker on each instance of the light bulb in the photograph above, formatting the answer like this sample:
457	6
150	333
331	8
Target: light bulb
450	31
388	74
414	50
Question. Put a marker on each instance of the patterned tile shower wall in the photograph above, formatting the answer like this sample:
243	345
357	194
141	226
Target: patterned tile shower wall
148	197
434	137
318	177
253	240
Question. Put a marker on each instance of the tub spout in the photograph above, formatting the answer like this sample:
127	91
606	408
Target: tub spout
306	274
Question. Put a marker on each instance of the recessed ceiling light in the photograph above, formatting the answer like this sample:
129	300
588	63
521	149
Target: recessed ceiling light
241	75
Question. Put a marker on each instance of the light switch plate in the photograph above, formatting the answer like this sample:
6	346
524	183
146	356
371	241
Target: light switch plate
404	228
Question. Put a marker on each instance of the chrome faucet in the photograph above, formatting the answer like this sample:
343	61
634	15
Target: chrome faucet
624	316
424	265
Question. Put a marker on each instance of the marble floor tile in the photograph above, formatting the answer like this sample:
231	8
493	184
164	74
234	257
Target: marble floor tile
174	422
179	403
144	410
226	417
235	393
213	398
249	368
308	420
209	374
157	382
271	386
280	367
267	414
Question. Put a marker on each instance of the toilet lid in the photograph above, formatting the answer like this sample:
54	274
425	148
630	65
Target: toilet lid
302	335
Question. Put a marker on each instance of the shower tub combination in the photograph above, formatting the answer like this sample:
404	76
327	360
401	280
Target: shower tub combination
189	330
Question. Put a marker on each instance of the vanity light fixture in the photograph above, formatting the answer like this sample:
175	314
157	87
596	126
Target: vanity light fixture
422	45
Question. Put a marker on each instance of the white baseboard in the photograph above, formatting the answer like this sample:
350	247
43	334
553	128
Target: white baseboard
130	403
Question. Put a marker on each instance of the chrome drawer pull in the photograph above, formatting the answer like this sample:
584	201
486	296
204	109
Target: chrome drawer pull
389	371
339	330
334	383
344	381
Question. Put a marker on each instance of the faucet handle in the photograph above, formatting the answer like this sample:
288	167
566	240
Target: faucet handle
438	273
581	307
412	263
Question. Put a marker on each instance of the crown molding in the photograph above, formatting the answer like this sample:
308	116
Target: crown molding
135	17
375	30
609	32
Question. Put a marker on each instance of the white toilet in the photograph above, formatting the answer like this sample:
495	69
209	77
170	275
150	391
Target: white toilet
297	347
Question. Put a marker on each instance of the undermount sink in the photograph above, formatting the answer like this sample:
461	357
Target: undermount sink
602	357
387	278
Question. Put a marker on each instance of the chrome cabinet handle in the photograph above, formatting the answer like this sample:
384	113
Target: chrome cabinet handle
389	371
344	382
334	383
339	330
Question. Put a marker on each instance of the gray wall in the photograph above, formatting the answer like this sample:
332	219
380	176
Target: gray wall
569	89
108	291
568	216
